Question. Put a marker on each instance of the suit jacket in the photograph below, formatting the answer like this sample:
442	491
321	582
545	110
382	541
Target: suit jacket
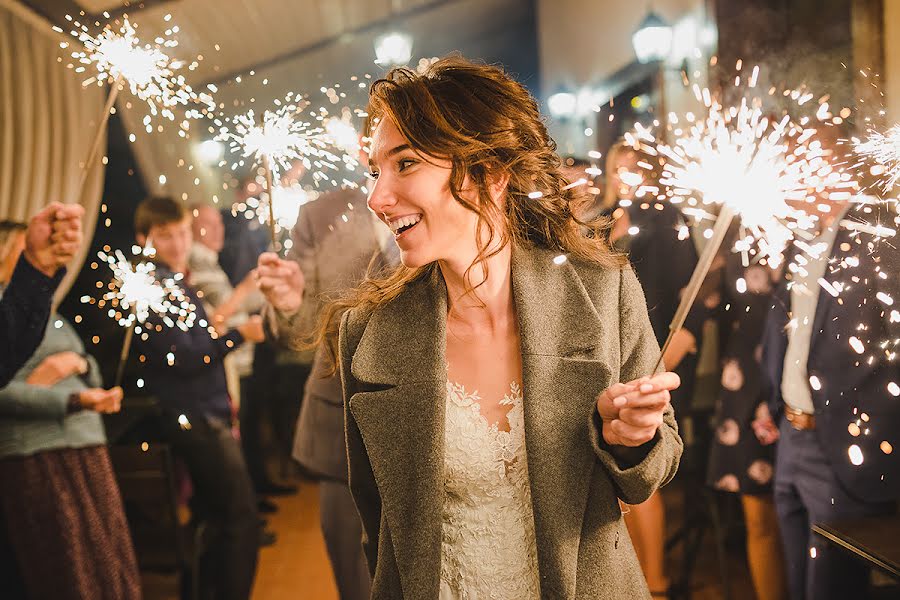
333	244
583	328
851	383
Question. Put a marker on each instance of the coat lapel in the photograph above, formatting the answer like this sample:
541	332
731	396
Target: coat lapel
400	359
563	373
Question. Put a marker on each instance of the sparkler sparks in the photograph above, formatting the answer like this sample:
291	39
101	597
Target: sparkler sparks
152	75
135	293
280	136
884	149
758	167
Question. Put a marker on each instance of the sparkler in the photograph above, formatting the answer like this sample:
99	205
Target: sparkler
275	139
118	57
135	293
751	166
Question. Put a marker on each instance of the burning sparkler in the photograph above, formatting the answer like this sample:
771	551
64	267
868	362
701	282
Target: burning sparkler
118	57
135	293
754	167
275	140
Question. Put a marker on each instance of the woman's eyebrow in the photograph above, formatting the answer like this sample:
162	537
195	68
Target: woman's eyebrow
391	152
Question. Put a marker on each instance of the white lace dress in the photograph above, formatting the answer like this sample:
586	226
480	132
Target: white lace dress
488	549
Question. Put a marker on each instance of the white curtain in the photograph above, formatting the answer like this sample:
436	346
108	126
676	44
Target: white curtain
47	121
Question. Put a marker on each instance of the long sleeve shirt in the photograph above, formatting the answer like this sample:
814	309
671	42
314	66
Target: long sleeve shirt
24	309
184	370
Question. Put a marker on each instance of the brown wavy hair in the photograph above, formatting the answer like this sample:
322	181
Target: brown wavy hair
487	126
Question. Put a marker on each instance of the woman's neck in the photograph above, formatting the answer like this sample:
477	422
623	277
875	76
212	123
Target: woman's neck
491	306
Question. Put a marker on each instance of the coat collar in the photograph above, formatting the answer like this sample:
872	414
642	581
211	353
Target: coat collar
401	355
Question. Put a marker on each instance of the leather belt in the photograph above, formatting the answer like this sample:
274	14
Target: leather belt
799	420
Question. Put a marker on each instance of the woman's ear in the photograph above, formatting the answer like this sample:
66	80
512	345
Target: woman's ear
497	183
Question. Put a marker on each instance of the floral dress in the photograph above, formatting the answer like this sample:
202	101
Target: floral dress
488	549
739	462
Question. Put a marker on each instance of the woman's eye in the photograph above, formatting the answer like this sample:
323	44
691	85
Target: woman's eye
405	163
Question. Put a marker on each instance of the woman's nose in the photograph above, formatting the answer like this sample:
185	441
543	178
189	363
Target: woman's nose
381	197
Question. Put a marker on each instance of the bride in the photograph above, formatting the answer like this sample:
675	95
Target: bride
497	387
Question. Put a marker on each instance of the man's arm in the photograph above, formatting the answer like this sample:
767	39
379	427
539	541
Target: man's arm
24	310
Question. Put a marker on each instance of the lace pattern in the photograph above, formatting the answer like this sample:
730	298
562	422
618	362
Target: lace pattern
488	549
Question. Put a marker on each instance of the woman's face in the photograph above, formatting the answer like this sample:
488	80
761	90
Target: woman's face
411	195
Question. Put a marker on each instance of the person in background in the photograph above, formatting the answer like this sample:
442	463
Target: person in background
185	372
63	532
244	239
228	307
743	451
829	353
659	246
51	241
334	242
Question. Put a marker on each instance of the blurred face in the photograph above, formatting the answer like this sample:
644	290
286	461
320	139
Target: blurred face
208	228
172	242
625	174
412	197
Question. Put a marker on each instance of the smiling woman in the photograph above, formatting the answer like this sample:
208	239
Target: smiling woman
498	392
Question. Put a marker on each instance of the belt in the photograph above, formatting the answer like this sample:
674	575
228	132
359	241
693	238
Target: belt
799	420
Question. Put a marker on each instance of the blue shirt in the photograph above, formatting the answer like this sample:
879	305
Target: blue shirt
184	370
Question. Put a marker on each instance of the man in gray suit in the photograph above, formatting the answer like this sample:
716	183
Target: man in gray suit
333	245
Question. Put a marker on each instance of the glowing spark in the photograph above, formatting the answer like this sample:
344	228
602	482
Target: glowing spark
280	136
885	298
288	200
884	149
856	455
152	75
814	383
894	389
558	260
135	293
857	345
759	167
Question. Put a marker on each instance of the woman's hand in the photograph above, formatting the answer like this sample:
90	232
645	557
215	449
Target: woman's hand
632	412
764	426
100	400
57	367
281	282
253	330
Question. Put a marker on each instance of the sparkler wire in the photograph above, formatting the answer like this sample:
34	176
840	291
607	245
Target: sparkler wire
723	222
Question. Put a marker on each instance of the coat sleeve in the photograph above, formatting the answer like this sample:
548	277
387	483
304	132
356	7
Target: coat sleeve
363	487
24	310
637	472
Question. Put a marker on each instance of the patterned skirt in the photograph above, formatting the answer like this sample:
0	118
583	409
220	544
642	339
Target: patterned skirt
63	532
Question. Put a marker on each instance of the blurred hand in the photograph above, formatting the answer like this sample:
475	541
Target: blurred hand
53	237
100	400
632	412
764	426
253	330
281	282
57	367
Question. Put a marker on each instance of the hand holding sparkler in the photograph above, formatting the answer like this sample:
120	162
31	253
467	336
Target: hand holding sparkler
54	236
632	412
281	282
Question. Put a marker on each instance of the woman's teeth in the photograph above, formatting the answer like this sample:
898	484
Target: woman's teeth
400	225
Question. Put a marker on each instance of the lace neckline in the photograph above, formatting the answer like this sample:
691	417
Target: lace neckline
472	401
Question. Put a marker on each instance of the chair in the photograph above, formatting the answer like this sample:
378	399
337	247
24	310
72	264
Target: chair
146	478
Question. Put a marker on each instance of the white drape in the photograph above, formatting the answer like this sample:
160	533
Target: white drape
47	122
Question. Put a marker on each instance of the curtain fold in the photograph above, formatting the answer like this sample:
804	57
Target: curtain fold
47	122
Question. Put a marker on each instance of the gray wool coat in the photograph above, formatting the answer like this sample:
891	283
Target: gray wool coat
582	328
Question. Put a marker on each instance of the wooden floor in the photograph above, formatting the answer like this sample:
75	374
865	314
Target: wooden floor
297	565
